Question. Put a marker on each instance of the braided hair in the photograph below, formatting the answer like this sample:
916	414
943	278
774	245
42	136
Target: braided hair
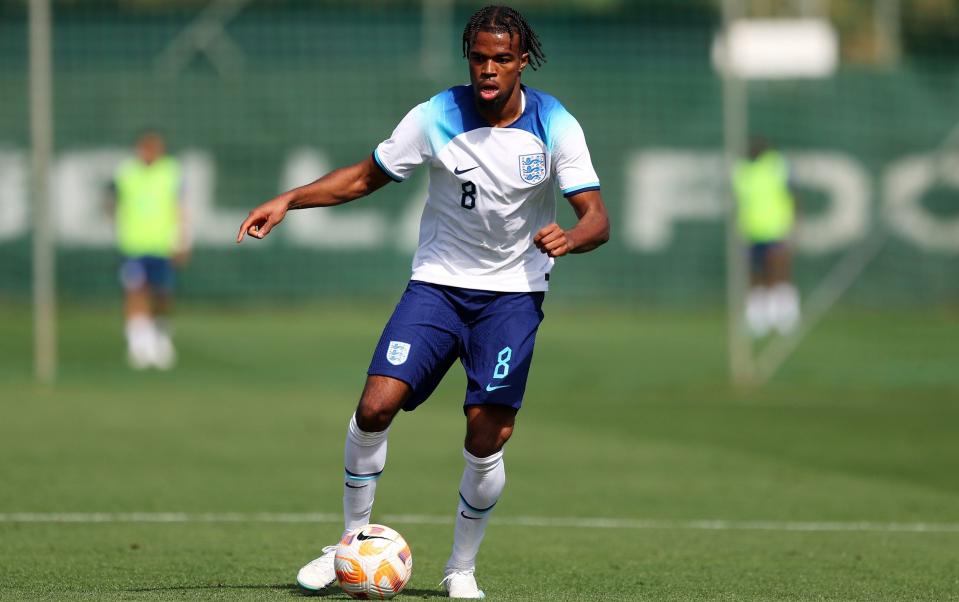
503	19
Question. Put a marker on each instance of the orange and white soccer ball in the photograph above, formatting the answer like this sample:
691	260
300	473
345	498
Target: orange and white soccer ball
373	562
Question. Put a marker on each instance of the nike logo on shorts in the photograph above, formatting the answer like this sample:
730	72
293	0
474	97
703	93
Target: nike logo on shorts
459	171
490	388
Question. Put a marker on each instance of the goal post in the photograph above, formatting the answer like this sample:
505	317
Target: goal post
41	138
735	132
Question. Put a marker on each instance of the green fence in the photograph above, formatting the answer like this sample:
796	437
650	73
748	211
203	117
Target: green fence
279	92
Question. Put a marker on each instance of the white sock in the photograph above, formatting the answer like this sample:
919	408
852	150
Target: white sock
758	311
785	304
161	325
482	483
365	457
164	353
140	337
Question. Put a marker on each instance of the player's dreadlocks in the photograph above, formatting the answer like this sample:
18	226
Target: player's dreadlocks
503	19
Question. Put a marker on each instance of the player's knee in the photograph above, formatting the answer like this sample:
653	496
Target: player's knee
373	416
382	398
375	412
487	441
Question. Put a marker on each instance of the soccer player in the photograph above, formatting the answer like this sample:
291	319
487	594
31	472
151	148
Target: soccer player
153	238
496	151
766	215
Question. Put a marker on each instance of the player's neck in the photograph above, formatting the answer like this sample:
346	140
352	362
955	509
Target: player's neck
509	112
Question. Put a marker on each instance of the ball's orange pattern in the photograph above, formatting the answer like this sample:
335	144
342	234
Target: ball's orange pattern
373	547
387	582
349	572
373	562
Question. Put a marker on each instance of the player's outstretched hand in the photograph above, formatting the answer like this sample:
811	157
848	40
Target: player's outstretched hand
553	240
263	218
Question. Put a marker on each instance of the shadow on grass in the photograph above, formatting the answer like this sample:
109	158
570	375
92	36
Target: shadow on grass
291	589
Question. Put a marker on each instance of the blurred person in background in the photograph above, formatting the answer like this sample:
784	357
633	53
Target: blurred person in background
767	208
152	240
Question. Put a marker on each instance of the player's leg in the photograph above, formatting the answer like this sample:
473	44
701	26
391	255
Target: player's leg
758	308
160	277
488	429
365	450
416	349
364	458
136	307
784	298
498	358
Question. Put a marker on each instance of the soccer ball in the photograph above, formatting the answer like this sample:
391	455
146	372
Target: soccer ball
373	562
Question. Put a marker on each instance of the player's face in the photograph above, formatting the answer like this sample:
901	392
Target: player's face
150	148
495	66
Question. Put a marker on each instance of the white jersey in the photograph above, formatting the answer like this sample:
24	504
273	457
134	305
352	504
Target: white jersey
491	189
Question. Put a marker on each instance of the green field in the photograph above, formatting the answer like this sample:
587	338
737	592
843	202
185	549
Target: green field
837	481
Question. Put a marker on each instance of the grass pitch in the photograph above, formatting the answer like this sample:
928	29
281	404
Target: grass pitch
837	481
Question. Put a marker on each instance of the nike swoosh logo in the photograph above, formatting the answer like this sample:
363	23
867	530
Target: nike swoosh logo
490	388
460	172
363	537
355	486
463	514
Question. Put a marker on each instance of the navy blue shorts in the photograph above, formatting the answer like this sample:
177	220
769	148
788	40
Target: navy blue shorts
759	251
137	272
491	333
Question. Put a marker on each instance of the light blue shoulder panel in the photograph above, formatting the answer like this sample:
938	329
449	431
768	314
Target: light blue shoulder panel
545	117
449	114
453	112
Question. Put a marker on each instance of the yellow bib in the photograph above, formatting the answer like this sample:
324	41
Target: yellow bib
766	207
148	212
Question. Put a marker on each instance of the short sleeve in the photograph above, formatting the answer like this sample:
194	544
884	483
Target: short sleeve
407	148
571	162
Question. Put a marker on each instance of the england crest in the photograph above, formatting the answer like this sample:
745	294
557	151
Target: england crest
397	352
532	168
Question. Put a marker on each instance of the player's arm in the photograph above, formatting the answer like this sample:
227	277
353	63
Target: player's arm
184	246
590	231
111	200
335	188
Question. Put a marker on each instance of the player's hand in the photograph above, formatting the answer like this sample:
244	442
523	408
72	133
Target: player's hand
263	218
553	240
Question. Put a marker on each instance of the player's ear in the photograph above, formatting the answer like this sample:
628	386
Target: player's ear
523	61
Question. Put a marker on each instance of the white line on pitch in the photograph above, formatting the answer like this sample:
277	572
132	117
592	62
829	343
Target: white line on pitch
520	521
